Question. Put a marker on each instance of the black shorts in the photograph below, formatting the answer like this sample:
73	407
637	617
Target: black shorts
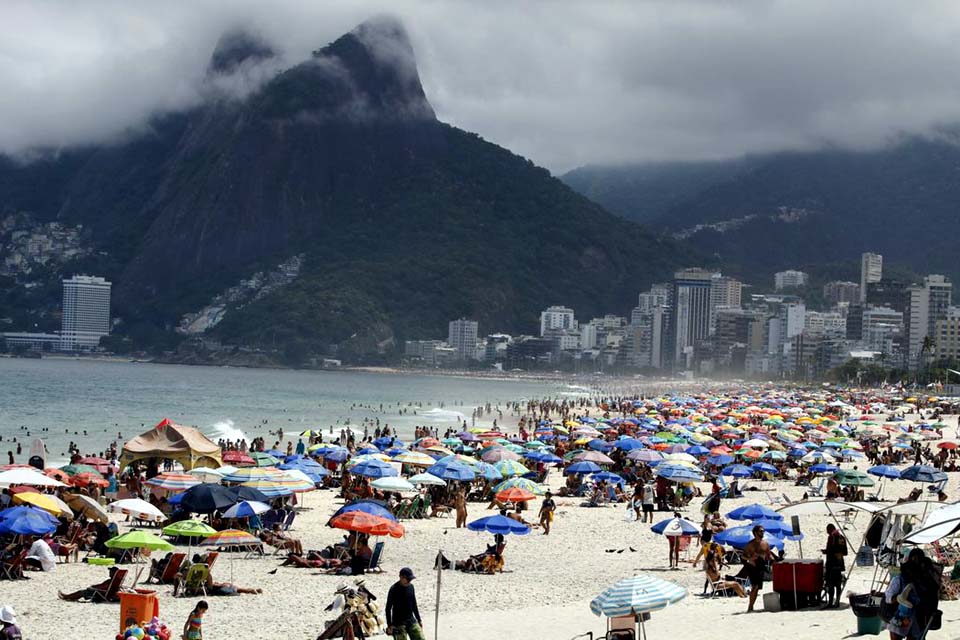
756	574
648	508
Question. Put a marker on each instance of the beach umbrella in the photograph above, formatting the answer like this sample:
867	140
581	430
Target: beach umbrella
677	473
520	483
719	460
884	471
820	467
593	456
231	538
246	509
300	480
736	471
139	509
582	468
87	478
247	474
250	494
189	529
609	477
270	488
339	454
763	467
137	539
774	455
27	521
515	495
498	454
56	474
779	528
100	464
628	444
369	506
51	504
673	527
74	469
853	478
29	477
754	512
416	458
697	450
174	481
499	524
236	458
206	498
510	468
739	537
680	458
395	484
362	522
923	473
488	472
265	459
645	455
206	474
427	479
452	470
374	469
86	507
636	596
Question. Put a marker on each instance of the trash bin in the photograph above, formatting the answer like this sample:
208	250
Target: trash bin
140	606
872	625
867	609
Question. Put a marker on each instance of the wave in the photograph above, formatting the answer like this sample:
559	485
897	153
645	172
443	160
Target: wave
226	430
442	415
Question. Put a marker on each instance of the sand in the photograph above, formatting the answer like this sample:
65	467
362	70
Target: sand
543	593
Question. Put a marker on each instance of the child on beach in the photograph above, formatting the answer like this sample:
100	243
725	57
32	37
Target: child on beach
193	627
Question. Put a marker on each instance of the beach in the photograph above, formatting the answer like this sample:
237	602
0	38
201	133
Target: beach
543	592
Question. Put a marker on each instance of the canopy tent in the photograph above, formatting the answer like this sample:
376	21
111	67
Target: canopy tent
185	445
939	524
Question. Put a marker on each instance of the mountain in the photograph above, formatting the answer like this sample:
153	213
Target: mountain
817	210
396	222
644	192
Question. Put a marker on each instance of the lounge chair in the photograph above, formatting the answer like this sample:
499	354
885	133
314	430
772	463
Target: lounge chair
622	628
195	582
375	558
211	559
13	569
170	570
111	591
288	523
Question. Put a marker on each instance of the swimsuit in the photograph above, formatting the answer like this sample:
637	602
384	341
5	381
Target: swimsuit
194	631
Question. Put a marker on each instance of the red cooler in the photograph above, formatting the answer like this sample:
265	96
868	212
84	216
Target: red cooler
799	582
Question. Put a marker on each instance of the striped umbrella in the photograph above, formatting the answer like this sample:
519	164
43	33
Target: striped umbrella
297	481
520	483
248	474
416	458
639	594
173	481
270	488
231	537
510	468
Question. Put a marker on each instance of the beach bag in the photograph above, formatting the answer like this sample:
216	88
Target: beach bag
629	515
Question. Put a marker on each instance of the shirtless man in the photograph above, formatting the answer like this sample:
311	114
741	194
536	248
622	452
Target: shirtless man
756	555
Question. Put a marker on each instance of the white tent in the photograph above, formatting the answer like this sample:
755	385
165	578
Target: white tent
939	524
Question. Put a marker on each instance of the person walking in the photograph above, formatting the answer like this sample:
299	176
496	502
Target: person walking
403	616
8	624
193	627
756	555
546	512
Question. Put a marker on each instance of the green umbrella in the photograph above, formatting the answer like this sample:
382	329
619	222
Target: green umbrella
137	539
75	469
189	529
853	478
261	459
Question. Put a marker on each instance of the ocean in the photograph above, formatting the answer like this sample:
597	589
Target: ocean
59	399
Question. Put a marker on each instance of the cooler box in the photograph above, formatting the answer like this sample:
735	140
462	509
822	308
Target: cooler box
799	582
141	606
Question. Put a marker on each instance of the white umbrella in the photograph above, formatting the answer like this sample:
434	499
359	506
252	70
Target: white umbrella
252	505
30	477
756	443
428	479
207	475
87	507
393	483
139	509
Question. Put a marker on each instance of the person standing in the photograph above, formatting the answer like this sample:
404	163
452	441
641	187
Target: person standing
649	496
8	624
755	557
834	566
547	509
403	616
460	505
193	627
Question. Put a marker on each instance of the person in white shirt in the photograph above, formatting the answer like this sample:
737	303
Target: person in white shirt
41	555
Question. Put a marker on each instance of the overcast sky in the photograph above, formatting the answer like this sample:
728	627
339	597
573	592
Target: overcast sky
563	83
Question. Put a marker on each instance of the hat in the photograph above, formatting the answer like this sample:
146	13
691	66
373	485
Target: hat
407	573
8	615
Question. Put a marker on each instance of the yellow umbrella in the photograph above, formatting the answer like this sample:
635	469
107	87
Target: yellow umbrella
48	503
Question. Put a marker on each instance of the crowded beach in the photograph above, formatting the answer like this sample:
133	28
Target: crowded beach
816	512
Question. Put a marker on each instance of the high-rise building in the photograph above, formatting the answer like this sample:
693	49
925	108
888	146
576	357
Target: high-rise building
557	319
841	291
725	293
947	335
928	304
658	296
789	278
86	313
690	312
881	327
889	293
871	270
462	337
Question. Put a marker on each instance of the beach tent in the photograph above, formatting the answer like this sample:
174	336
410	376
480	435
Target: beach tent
185	445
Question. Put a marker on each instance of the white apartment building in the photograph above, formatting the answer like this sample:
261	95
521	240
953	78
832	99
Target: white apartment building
557	319
462	338
871	270
789	278
86	313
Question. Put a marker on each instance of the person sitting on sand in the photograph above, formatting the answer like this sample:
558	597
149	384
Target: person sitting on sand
515	515
89	592
711	567
493	555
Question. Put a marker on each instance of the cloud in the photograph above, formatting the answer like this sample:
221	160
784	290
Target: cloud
564	83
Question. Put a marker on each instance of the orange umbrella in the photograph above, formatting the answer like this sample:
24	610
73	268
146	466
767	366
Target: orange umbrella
86	479
515	494
366	523
57	474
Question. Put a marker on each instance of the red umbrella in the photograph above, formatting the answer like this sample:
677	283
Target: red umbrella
947	445
57	474
236	457
101	465
86	479
366	523
10	467
515	494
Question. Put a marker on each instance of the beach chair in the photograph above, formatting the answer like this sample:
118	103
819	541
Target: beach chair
269	519
171	568
375	557
684	547
774	499
70	547
111	591
621	628
13	568
288	523
816	491
211	559
195	582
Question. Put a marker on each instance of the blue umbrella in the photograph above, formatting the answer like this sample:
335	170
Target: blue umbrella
365	451
245	509
582	468
499	524
736	471
923	473
884	471
754	512
698	450
738	537
675	527
628	444
779	528
489	472
339	454
600	445
678	473
373	507
550	458
610	477
14	513
763	467
452	470
719	460
373	469
33	522
822	467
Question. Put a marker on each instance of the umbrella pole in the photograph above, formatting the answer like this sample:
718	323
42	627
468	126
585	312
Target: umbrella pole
436	615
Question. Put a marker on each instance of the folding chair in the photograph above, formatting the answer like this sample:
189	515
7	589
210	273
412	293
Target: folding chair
13	570
195	581
109	594
375	558
172	567
621	628
211	558
288	523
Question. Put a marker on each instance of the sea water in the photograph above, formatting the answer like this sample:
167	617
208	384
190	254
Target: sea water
59	399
